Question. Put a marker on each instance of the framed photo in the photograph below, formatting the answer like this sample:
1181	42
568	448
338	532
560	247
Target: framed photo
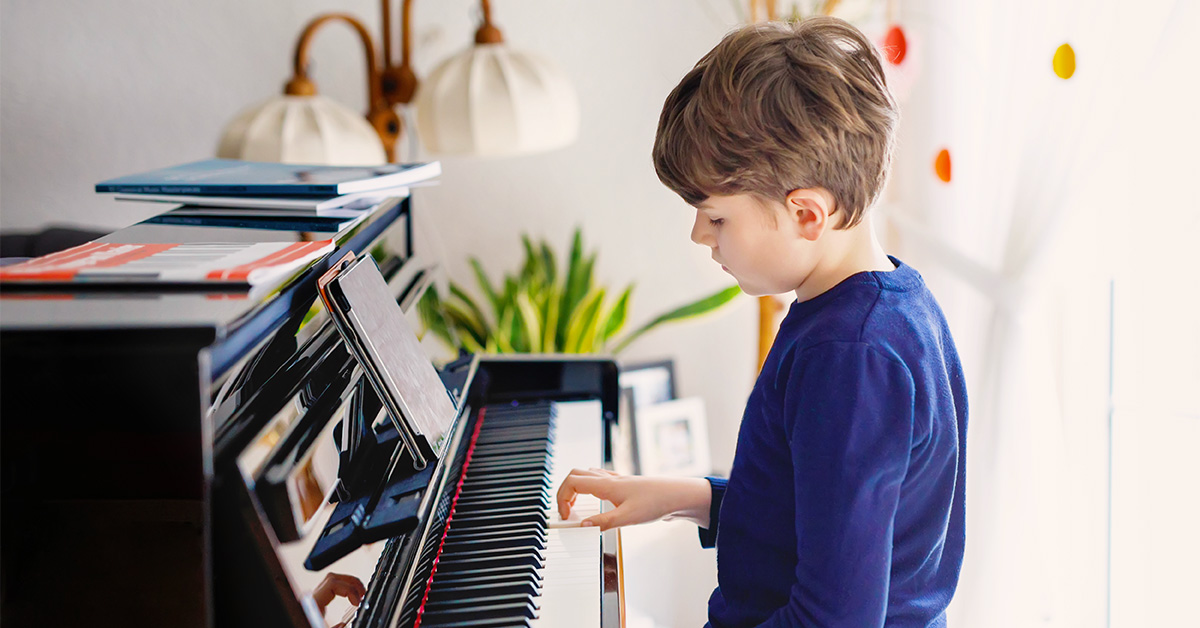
625	454
650	382
672	438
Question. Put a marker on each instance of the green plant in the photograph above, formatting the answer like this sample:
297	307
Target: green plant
541	310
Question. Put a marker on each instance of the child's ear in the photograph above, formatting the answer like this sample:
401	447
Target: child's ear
809	209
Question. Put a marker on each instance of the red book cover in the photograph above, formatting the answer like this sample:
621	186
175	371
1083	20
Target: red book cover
214	264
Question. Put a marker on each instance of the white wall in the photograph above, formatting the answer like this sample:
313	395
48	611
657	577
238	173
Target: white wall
92	90
95	90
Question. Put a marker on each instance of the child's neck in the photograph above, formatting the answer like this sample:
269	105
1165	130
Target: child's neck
846	252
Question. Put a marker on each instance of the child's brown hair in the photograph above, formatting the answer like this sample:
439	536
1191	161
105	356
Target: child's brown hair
777	107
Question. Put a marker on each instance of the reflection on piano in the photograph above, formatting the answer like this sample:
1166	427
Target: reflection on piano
196	472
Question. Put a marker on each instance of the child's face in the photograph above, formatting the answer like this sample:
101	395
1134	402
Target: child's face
755	243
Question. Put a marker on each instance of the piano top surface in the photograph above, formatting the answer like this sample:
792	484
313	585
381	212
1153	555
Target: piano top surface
220	318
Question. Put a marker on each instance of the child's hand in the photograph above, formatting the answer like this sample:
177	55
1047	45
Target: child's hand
638	499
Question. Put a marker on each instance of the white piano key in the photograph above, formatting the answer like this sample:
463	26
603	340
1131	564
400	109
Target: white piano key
571	585
573	574
578	434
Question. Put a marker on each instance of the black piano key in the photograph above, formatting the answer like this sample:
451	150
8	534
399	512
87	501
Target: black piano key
500	519
469	566
518	622
535	475
501	497
455	532
513	467
500	491
514	448
514	435
516	467
461	554
521	573
523	581
500	611
474	506
479	600
511	458
496	510
514	482
516	542
508	466
528	539
531	538
448	592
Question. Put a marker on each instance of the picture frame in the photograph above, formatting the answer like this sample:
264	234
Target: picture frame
650	382
625	451
672	438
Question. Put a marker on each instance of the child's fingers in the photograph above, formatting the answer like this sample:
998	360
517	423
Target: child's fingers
574	484
604	520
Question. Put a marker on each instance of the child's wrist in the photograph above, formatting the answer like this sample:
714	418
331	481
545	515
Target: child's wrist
694	496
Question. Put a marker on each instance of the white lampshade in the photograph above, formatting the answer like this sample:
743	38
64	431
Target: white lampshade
302	130
491	100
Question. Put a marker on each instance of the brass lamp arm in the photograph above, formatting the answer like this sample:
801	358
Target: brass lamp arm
379	114
399	83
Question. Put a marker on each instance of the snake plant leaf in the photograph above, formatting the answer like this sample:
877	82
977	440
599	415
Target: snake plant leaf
529	319
550	323
549	263
475	310
693	309
485	284
533	261
570	294
430	310
503	333
583	326
587	340
587	278
463	319
615	319
470	344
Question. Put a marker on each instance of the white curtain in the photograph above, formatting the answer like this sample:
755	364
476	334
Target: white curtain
1022	141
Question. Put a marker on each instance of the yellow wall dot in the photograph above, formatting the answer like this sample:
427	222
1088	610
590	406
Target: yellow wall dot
941	165
1064	61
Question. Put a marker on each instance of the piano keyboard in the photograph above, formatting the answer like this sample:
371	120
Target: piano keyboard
501	564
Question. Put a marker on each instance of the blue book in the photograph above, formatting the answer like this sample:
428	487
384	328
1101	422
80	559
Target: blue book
220	177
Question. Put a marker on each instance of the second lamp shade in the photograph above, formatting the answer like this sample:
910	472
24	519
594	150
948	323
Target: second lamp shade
491	100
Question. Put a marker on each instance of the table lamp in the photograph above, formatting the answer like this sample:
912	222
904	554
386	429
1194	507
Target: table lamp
489	100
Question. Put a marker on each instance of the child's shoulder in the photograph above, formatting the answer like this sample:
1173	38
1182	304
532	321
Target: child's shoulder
884	312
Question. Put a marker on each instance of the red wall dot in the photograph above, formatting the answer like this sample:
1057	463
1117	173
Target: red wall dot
941	165
895	45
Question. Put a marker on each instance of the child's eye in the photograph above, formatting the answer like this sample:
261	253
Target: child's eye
716	222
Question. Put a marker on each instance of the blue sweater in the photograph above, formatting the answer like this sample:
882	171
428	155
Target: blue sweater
844	506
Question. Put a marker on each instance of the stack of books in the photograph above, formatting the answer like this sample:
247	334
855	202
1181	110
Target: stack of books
227	186
227	193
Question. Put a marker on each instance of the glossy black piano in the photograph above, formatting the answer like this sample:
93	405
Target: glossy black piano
172	458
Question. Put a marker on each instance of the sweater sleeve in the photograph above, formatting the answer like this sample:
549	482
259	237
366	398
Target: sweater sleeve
708	536
848	411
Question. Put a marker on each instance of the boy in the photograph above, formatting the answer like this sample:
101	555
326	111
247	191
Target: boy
844	505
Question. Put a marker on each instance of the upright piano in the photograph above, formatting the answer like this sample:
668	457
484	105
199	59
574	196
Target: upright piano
178	458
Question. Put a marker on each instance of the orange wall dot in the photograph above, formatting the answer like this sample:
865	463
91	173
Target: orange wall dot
941	165
1064	61
895	45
